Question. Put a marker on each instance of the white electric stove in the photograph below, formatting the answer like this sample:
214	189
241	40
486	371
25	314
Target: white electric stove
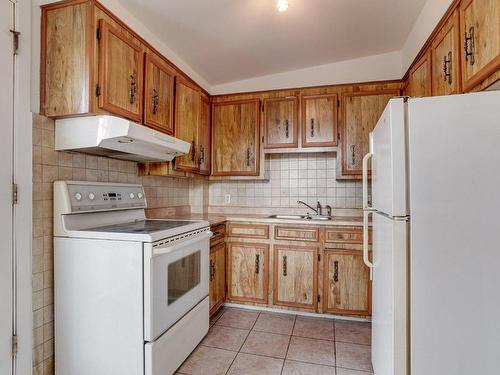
131	294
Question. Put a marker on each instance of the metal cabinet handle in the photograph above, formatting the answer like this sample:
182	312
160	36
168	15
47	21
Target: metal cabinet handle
447	67
312	127
257	263
336	271
202	154
212	270
287	129
155	100
248	156
132	89
353	155
284	265
193	150
469	46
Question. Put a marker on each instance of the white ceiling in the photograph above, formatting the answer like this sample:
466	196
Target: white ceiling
231	40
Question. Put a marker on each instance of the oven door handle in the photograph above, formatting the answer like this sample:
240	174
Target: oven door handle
168	249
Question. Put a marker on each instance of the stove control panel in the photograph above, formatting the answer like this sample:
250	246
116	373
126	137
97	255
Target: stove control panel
104	196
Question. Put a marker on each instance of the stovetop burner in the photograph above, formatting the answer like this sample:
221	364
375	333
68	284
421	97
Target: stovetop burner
142	226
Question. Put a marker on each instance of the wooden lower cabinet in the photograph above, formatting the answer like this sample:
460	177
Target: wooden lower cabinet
346	283
295	276
217	285
248	272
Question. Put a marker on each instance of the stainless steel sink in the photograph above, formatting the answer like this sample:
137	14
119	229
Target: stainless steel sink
300	217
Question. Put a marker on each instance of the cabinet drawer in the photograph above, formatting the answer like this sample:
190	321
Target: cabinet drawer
248	230
293	233
346	235
219	234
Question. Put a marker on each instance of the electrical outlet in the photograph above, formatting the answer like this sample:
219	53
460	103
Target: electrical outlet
227	199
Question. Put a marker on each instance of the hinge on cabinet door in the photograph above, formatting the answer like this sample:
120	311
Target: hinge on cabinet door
15	41
14	194
98	34
14	345
97	90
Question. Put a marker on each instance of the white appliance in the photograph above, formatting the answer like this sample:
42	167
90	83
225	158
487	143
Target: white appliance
131	294
435	204
116	137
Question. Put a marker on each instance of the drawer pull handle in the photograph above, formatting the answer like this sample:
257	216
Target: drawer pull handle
287	129
155	101
132	89
284	265
469	46
447	68
312	128
257	263
336	271
212	270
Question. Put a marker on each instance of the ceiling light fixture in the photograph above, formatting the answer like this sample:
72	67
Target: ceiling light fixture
282	5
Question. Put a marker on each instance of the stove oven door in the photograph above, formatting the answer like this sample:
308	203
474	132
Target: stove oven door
175	281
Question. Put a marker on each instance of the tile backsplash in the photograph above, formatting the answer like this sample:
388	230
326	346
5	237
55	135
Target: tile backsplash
306	177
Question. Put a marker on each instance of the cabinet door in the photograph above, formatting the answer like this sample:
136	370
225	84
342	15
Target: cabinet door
445	59
187	114
346	283
280	122
120	73
217	289
480	26
319	120
248	272
204	137
158	94
235	132
419	80
295	276
360	113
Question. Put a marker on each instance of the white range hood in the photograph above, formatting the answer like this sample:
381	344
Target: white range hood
118	138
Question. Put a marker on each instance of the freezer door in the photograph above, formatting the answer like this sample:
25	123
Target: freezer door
455	253
390	286
389	161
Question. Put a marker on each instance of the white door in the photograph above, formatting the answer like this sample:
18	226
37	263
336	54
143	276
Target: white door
389	311
6	152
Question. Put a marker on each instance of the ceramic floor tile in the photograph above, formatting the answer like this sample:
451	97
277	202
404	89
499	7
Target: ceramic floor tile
345	371
354	356
238	318
249	364
302	368
275	323
321	352
353	332
265	343
225	337
314	328
206	360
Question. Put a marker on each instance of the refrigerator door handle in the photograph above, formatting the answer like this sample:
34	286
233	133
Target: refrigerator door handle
366	158
366	258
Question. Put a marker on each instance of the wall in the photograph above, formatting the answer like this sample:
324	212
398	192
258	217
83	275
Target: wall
306	177
49	166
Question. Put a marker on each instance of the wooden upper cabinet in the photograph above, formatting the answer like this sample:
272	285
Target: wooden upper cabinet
159	81
280	122
480	38
360	113
295	276
120	73
346	283
204	137
445	54
319	120
235	138
187	115
248	272
420	78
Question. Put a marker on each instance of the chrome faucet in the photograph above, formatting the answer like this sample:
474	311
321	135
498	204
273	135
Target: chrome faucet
305	204
319	209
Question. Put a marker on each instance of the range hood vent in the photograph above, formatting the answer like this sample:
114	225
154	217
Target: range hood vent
117	138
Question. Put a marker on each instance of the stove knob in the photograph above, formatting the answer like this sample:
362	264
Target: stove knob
91	196
140	196
78	196
132	195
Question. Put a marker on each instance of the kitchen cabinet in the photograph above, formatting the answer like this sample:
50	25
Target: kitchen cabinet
445	55
235	138
295	276
360	113
420	77
480	38
187	115
158	94
346	283
217	285
241	230
280	122
204	138
248	272
296	233
319	120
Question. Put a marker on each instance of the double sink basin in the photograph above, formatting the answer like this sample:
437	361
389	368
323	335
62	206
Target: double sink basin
301	217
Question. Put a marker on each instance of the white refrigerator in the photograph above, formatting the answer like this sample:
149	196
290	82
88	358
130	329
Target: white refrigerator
435	265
